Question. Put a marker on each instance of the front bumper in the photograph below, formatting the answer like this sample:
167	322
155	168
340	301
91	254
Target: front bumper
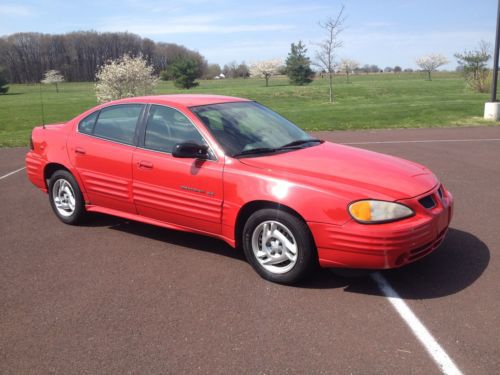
389	245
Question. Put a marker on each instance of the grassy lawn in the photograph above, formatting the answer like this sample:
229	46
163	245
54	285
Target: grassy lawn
368	101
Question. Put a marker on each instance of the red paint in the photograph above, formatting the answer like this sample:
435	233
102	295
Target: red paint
318	183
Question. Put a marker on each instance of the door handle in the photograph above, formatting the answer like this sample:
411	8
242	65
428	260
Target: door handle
145	164
79	150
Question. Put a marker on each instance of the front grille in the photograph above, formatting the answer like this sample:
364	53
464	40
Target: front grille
428	201
440	192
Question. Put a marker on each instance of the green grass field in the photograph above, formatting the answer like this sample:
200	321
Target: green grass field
368	101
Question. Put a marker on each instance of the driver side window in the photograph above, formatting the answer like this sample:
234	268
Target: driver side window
167	127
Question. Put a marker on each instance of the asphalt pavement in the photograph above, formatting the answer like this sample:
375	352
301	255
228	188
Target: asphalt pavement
115	296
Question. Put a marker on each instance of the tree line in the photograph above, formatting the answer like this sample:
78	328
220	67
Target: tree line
78	55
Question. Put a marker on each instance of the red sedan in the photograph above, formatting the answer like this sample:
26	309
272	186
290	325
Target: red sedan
233	169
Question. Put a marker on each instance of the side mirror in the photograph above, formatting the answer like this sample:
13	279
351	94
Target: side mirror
190	150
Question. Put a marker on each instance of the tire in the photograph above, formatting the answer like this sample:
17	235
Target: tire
288	253
66	198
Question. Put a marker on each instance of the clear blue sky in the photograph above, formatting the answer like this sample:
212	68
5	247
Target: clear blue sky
385	32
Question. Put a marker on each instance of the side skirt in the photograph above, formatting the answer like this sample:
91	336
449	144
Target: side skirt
146	220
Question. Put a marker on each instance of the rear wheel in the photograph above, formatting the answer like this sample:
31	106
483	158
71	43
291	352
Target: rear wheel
278	245
66	197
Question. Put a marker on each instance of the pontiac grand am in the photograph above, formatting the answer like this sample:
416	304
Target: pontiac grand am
233	169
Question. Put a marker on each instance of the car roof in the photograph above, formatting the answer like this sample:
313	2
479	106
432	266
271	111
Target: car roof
186	100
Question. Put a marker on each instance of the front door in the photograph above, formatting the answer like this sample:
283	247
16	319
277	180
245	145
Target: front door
101	150
184	192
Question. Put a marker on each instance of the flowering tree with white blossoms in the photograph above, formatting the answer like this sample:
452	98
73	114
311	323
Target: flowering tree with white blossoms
266	69
123	78
52	77
429	63
348	66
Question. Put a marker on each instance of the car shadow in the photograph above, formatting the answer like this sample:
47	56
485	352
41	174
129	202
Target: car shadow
168	236
454	266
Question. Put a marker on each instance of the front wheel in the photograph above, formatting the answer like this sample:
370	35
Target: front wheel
66	198
278	245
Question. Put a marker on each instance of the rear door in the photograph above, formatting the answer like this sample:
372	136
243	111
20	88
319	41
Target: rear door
101	150
185	192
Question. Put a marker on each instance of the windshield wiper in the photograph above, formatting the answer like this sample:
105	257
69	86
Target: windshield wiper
300	142
260	150
270	150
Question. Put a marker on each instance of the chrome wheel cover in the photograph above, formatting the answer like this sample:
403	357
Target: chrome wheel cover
274	247
63	197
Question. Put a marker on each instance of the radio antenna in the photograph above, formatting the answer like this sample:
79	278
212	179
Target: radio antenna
41	105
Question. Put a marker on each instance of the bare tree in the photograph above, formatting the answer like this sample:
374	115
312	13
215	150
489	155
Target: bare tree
325	56
235	70
229	70
78	55
213	71
243	71
429	63
53	77
348	66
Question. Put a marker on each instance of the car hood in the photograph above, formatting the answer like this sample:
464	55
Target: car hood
355	172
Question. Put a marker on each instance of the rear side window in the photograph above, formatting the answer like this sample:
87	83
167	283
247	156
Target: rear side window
118	123
86	126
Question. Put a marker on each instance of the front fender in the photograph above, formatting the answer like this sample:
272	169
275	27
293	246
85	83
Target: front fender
244	184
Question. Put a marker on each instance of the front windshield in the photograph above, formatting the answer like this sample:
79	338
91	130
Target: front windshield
241	127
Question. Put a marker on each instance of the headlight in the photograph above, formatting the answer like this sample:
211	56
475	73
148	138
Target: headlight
371	211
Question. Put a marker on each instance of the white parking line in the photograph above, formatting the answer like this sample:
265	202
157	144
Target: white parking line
11	173
424	141
430	344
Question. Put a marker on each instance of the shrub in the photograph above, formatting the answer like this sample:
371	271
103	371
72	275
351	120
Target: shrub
3	81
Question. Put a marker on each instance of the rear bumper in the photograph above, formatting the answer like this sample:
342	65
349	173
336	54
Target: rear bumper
34	169
389	245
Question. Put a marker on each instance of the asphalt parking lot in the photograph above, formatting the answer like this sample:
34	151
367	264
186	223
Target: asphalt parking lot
115	296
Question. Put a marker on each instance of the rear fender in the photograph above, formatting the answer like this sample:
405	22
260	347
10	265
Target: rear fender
50	153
